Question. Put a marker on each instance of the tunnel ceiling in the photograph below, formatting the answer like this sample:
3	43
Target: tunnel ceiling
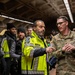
31	10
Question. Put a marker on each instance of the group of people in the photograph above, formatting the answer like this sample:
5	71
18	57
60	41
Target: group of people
32	51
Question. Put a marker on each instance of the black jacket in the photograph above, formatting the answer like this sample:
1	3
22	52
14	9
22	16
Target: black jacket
19	47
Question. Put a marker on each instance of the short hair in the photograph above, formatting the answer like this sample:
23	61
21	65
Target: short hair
29	26
35	23
10	25
64	18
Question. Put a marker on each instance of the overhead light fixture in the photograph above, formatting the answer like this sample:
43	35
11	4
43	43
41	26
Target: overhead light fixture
16	19
68	10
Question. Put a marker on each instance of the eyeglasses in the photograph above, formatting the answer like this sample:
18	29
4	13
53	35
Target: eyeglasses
60	23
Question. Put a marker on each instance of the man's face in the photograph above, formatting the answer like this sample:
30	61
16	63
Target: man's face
13	30
29	31
40	28
21	35
62	25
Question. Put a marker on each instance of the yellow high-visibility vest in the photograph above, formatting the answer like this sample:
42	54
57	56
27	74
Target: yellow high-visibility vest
5	48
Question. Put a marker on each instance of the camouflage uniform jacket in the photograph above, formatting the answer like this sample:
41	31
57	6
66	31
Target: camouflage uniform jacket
66	61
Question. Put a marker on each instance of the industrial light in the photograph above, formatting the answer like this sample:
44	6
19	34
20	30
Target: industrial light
16	19
68	10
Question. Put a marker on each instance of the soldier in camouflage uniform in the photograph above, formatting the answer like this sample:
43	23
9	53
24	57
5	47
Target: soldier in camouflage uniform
64	43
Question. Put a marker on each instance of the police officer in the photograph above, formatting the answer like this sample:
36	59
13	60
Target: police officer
64	43
33	61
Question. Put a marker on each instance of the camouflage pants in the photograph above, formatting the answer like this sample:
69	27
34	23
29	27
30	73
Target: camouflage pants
65	73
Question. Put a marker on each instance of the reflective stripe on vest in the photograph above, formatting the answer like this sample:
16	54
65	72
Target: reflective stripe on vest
6	52
33	72
35	63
